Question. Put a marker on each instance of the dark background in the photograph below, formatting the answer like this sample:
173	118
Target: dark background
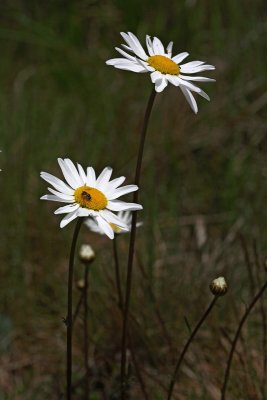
203	190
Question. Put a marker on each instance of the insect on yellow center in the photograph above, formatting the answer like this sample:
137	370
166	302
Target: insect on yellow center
91	198
164	65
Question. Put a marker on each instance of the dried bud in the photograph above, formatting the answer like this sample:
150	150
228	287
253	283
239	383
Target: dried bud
80	284
265	263
218	286
86	254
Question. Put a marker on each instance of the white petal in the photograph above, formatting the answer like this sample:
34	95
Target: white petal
68	218
149	46
117	205
125	54
173	80
145	65
57	183
193	64
158	47
82	174
86	212
189	85
52	197
155	76
190	98
91	178
122	191
67	174
63	196
193	70
74	171
93	226
160	84
103	177
204	94
113	219
138	45
121	61
196	78
115	183
106	228
194	88
134	44
128	48
180	57
134	67
169	49
67	209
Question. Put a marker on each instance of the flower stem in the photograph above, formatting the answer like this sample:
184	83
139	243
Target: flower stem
117	273
190	339
69	316
120	305
86	341
241	323
132	242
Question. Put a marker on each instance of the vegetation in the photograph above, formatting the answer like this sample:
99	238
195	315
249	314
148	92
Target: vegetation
203	189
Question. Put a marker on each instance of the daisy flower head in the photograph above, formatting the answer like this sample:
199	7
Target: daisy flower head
124	216
86	195
163	67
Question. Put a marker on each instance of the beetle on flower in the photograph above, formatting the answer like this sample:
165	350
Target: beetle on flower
162	66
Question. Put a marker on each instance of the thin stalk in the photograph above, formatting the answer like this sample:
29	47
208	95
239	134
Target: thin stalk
132	242
77	309
189	341
241	323
120	305
117	273
85	332
263	316
69	316
154	301
248	264
138	370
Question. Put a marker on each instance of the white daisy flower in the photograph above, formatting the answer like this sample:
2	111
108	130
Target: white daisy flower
87	195
124	216
163	67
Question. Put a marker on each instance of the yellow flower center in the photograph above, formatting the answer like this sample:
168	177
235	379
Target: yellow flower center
164	65
91	198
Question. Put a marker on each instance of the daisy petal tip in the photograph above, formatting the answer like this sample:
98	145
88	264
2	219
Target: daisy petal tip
63	224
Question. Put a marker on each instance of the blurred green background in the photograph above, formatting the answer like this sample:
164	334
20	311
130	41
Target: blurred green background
203	190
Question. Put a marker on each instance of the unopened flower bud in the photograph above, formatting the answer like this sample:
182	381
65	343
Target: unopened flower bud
218	286
80	284
86	254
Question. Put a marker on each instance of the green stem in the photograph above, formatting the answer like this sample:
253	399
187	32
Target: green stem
241	323
86	335
117	273
190	339
132	243
69	316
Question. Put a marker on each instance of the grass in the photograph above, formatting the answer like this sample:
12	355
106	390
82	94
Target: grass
202	175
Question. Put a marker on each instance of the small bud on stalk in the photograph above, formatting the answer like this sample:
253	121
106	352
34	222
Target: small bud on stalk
80	284
86	254
218	287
